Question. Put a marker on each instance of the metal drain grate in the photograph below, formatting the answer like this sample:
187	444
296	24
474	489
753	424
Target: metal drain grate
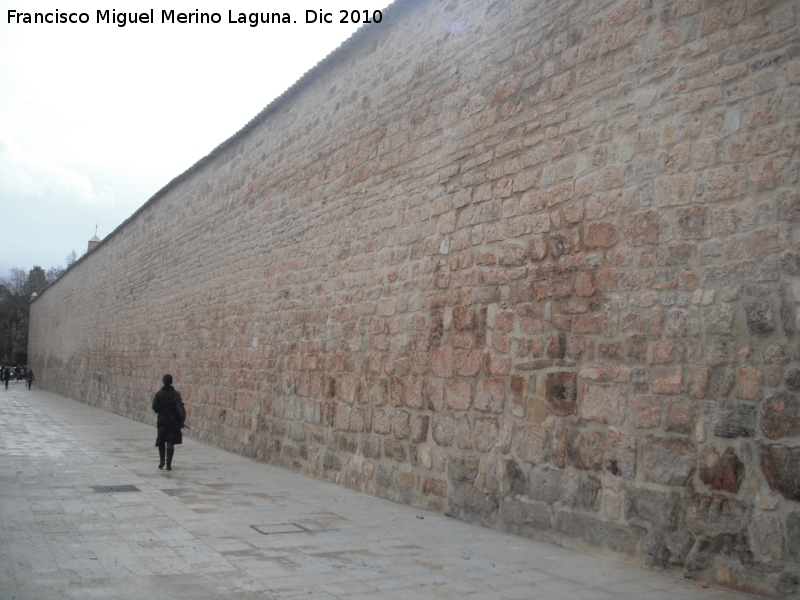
274	528
114	489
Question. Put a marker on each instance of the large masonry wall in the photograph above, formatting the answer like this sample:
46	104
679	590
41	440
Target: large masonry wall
533	264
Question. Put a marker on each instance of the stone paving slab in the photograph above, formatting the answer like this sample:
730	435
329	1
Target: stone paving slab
223	526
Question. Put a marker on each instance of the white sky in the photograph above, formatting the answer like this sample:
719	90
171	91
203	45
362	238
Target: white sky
94	118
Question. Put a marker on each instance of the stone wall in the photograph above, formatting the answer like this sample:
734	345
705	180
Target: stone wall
534	264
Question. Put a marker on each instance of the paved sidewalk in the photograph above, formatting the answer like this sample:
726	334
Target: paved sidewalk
223	526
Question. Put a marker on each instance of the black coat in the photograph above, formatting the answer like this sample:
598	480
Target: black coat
168	423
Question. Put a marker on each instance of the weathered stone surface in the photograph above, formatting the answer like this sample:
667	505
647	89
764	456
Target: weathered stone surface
645	411
793	534
713	514
768	535
721	473
520	514
532	444
594	531
680	417
490	395
669	461
444	429
668	550
458	395
780	416
395	450
557	347
562	392
659	509
585	450
553	485
463	468
758	316
749	383
419	429
599	235
620	457
602	403
732	419
792	378
486	433
781	467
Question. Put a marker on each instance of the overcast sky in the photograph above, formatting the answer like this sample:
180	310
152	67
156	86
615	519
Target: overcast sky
96	118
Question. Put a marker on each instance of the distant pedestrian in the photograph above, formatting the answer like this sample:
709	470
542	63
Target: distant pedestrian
29	378
169	407
6	376
17	373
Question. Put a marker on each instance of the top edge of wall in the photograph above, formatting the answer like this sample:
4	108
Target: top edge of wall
392	10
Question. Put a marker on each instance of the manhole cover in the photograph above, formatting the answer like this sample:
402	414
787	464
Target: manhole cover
114	489
279	528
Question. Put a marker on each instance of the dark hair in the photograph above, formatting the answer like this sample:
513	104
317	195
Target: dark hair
167	379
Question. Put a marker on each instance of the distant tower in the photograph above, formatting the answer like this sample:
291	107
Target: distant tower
93	243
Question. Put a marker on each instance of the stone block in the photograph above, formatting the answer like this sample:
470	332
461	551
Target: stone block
758	316
636	347
331	462
585	450
718	319
443	429
668	461
602	403
667	380
557	347
781	467
395	450
458	395
419	429
749	383
597	532
382	421
490	395
792	378
715	514
486	433
598	236
641	228
463	468
680	416
442	362
768	535
620	456
371	447
793	534
645	411
553	485
532	444
661	510
724	472
732	419
561	392
520	514
463	431
780	416
693	223
663	351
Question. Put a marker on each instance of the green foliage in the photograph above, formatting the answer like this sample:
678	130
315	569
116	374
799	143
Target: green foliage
15	299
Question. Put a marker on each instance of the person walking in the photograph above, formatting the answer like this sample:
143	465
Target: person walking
6	376
29	378
168	405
